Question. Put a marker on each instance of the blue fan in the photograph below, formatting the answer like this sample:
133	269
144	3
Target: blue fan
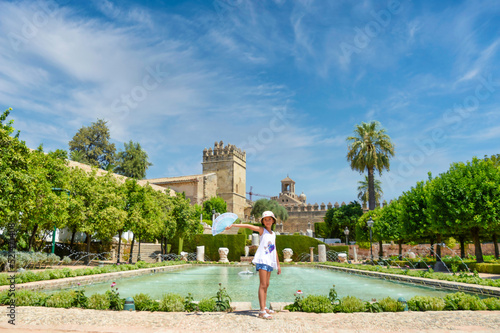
222	222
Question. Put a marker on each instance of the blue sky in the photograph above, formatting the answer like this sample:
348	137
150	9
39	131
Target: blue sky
285	80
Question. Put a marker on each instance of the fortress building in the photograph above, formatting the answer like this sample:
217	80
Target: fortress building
224	175
301	215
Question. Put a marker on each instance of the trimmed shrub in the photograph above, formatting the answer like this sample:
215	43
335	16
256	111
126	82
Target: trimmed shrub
43	275
144	302
207	305
492	303
351	304
66	260
171	303
56	274
389	304
463	301
426	303
30	298
317	304
62	299
485	267
98	302
27	276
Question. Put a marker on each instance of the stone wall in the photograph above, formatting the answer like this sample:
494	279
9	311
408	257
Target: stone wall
420	250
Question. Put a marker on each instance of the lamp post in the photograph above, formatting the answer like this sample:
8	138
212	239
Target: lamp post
346	233
369	223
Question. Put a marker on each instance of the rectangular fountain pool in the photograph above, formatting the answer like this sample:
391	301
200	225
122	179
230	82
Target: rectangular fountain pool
203	282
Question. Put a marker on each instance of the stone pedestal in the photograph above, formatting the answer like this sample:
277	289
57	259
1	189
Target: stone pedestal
247	250
200	253
255	239
223	251
184	256
355	254
342	257
321	253
311	253
309	232
287	255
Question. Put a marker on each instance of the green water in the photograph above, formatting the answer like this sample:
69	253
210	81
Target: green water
203	281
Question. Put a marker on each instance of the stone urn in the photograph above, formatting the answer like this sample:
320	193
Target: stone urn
342	257
223	251
287	255
184	256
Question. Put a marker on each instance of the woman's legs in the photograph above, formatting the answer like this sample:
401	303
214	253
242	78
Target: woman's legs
264	277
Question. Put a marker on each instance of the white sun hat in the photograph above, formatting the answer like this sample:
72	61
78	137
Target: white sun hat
266	214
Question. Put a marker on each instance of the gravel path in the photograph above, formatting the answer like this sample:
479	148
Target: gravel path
42	319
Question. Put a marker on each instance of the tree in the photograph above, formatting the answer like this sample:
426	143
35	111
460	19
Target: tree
14	176
370	150
47	200
416	224
132	162
466	198
337	219
262	205
100	205
91	145
363	191
389	226
216	203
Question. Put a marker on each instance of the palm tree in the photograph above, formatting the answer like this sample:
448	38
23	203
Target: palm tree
370	149
363	190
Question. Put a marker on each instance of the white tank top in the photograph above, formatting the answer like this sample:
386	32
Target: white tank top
266	253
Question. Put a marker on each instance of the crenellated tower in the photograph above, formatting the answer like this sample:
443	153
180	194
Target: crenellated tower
229	163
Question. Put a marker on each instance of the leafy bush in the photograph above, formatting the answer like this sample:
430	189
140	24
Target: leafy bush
171	303
390	305
43	275
56	274
98	302
144	302
492	303
66	260
317	304
115	302
297	304
351	304
69	272
426	303
463	301
222	300
4	297
189	304
80	300
207	305
53	259
30	298
62	299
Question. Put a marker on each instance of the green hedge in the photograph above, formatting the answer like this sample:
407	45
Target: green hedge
492	268
301	244
485	267
235	244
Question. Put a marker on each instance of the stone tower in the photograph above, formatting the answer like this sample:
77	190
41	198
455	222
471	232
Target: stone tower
229	163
